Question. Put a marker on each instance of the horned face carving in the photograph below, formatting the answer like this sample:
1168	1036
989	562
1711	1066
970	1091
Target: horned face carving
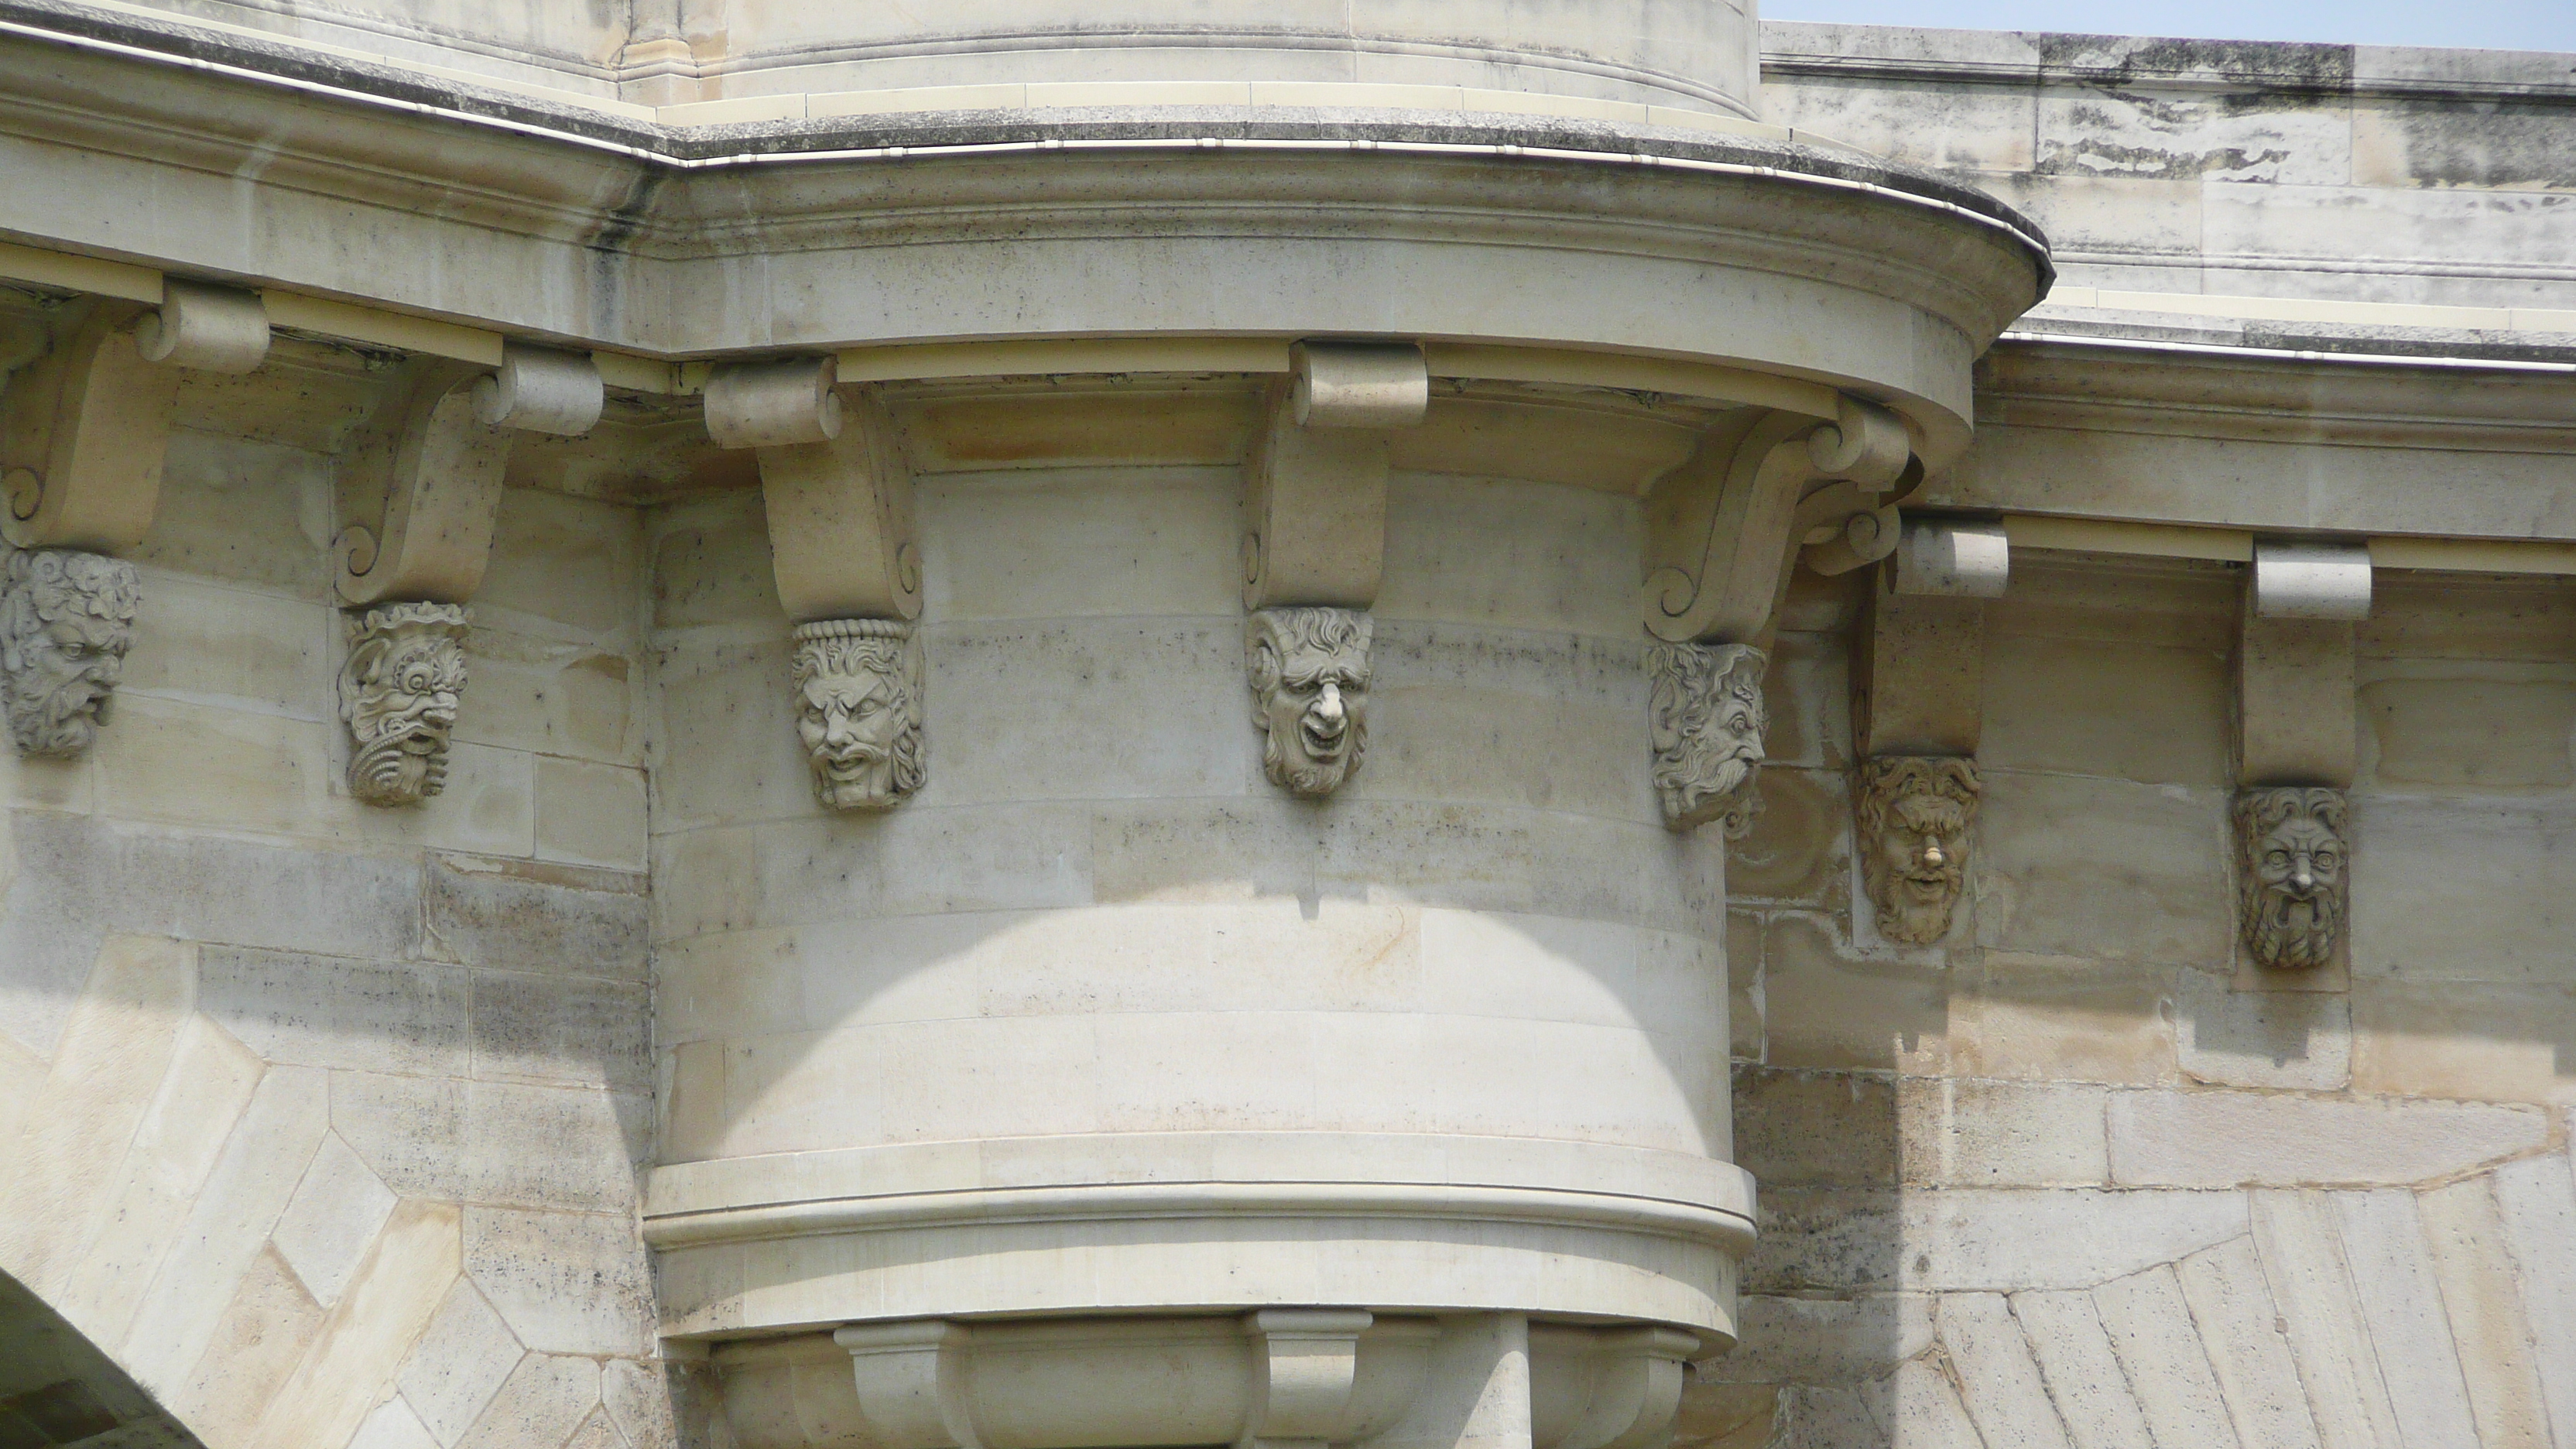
1309	670
1915	815
66	620
399	690
858	702
2290	888
1707	719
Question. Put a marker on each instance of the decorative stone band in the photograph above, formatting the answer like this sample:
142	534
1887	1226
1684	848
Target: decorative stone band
2292	856
858	689
1309	672
399	691
1707	719
1915	816
1205	1220
66	620
1303	1376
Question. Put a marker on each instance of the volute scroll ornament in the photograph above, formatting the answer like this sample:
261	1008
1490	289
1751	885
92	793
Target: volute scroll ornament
858	697
1706	717
2292	856
399	690
66	621
1915	816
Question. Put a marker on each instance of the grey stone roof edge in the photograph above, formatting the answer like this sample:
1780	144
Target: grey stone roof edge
2022	57
279	60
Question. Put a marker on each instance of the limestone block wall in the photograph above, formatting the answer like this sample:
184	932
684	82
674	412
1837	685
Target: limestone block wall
323	1121
2080	1175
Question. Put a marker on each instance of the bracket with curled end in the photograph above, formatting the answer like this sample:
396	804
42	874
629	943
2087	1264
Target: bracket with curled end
427	471
1723	528
838	491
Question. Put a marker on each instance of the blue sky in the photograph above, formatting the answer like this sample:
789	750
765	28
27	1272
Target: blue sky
2493	24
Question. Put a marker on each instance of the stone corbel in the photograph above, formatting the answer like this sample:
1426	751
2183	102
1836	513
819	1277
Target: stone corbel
911	1383
2295	749
1613	1389
84	430
1918	685
419	492
1724	528
88	424
1306	1380
841	545
1314	550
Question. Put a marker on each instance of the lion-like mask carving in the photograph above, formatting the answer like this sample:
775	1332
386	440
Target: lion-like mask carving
1706	716
858	703
2290	874
1915	815
399	690
1309	670
66	620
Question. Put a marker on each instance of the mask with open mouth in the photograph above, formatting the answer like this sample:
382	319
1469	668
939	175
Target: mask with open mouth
2291	856
1309	671
1915	815
858	703
399	690
1706	716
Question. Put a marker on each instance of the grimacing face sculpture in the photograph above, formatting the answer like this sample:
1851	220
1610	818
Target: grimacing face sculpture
399	689
2291	857
1707	718
1915	814
858	711
1309	671
66	620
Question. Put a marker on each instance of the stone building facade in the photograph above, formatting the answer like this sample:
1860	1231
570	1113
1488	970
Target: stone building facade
1540	727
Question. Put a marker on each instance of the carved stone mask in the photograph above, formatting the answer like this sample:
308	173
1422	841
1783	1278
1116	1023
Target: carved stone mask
1707	718
398	692
66	620
2291	856
1309	670
858	703
1915	816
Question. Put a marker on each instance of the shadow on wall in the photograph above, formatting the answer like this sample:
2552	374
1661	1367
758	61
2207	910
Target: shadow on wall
57	1389
2084	1175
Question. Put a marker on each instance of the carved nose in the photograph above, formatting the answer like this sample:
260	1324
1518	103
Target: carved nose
2303	878
1932	853
1328	705
837	731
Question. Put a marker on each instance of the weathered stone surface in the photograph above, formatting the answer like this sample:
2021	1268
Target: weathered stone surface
2294	1232
390	1300
2401	1308
2483	1301
262	1334
1823	1340
2008	1241
2230	1038
525	916
1825	1009
2220	1139
322	1011
2085	1384
2536	1201
1815	1127
1998	1378
2062	1018
539	1406
331	1219
2162	1358
458	1365
2002	1134
571	1029
565	1282
2102	868
2248	1346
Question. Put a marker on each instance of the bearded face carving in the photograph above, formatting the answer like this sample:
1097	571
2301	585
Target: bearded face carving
2290	866
1309	671
66	620
858	699
1914	816
398	691
1707	718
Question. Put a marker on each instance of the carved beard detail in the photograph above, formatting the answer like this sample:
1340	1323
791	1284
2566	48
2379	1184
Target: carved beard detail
2291	857
858	696
1707	718
399	691
1309	672
1914	818
66	621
